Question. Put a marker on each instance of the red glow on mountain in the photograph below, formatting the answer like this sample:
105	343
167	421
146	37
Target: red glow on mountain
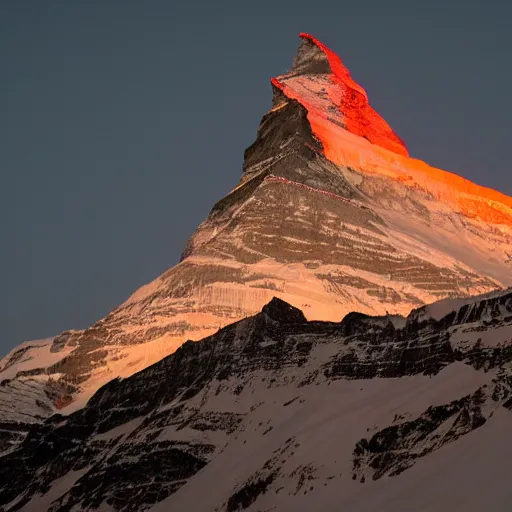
351	100
340	73
343	120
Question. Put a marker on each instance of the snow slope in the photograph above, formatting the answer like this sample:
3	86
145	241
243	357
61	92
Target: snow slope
278	413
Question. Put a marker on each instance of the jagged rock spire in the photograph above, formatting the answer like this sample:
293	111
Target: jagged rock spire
321	82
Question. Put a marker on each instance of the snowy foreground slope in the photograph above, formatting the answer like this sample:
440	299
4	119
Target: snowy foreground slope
277	413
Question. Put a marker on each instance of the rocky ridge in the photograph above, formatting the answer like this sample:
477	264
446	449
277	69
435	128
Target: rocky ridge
292	412
326	233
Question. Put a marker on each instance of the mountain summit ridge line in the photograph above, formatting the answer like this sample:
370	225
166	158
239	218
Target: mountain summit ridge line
373	235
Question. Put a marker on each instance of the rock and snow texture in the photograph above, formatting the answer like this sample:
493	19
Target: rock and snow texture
330	215
278	413
354	135
27	394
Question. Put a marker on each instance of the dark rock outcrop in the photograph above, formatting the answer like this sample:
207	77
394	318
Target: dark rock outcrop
140	439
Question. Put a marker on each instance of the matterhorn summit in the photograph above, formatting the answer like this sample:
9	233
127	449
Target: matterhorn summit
291	348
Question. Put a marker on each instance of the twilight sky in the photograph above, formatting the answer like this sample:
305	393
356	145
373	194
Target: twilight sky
123	122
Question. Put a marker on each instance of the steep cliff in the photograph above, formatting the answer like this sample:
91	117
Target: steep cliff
330	215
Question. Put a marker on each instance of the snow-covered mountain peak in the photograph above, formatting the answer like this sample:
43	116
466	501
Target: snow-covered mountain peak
330	217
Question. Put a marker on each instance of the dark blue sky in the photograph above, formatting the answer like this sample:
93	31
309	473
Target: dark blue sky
124	121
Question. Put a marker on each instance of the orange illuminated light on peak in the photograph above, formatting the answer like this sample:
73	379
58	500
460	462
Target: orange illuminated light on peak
346	149
354	135
352	102
338	69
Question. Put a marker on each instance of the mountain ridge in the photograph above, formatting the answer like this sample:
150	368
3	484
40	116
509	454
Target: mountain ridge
359	117
158	439
474	200
326	238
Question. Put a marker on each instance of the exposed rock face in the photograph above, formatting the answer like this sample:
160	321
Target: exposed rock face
330	216
354	135
396	448
276	411
318	69
28	393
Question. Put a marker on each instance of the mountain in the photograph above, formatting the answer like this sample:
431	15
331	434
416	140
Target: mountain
330	215
275	412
